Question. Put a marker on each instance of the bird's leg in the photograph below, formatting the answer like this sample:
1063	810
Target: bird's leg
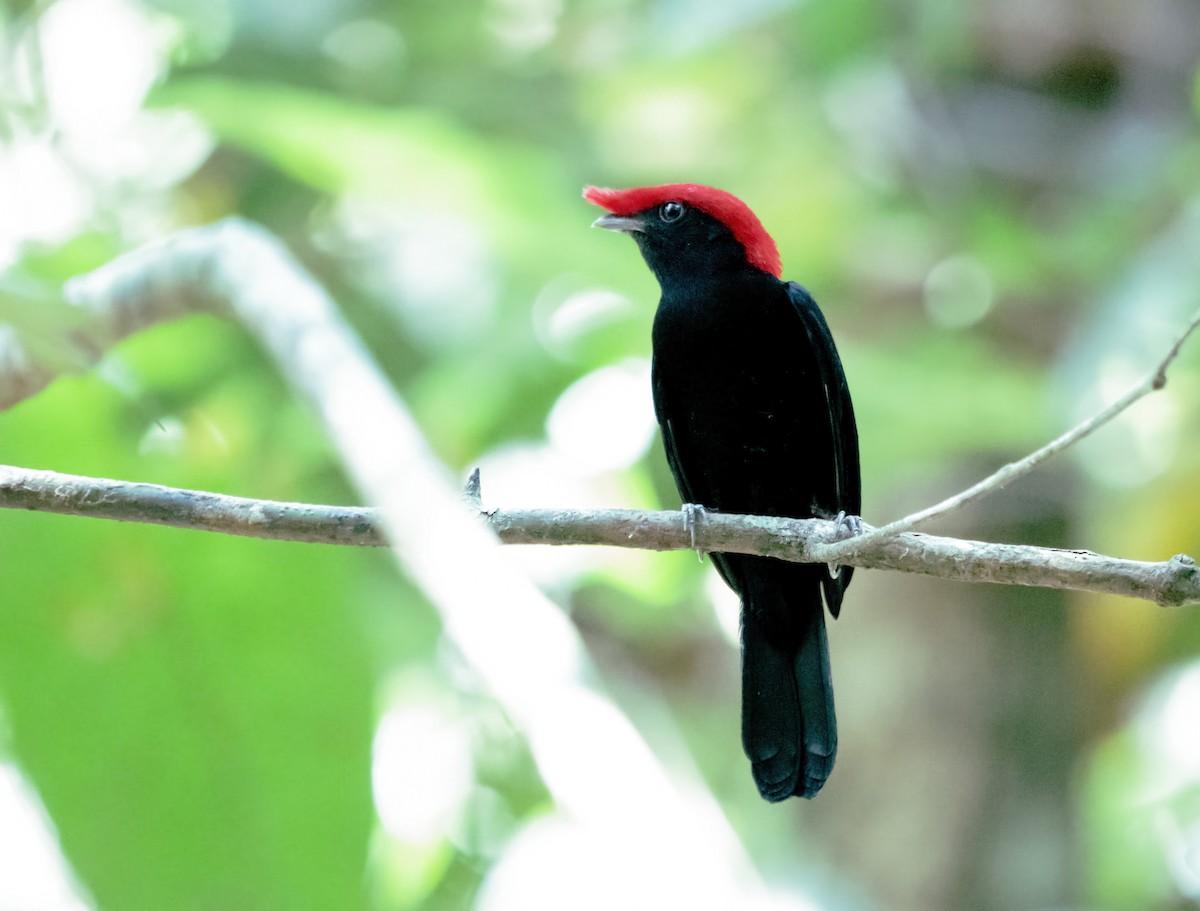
693	514
844	527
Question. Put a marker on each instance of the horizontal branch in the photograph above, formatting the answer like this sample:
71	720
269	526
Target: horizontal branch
199	510
1170	583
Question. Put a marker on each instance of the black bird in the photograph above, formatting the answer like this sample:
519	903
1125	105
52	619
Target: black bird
756	418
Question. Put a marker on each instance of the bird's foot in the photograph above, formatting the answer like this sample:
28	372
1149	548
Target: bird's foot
693	514
844	528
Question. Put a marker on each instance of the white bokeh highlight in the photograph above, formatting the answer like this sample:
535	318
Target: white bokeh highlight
33	874
604	421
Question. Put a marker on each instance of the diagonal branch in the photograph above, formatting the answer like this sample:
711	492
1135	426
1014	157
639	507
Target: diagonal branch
844	551
1170	583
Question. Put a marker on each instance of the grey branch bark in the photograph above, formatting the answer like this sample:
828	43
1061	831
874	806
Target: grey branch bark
1170	583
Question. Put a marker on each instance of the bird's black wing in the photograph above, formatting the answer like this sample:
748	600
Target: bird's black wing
843	432
675	461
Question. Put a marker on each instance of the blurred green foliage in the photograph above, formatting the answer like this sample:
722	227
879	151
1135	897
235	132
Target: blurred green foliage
996	205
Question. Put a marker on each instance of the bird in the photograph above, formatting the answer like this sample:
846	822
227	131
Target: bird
756	418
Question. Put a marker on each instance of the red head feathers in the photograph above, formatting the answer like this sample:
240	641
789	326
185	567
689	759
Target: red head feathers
726	208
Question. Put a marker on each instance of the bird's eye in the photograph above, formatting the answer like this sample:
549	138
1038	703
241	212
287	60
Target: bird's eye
671	211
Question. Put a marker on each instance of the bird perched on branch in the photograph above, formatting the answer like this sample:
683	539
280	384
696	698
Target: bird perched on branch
756	418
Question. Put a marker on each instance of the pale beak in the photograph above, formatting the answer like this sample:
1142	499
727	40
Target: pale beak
623	223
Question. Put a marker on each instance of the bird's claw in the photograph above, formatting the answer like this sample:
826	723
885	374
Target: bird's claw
844	527
692	514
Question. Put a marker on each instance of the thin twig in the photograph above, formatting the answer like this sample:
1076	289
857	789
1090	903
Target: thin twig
843	551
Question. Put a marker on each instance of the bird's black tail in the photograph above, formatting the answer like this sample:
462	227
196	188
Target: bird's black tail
788	726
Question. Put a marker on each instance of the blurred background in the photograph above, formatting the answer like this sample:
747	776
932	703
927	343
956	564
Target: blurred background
997	204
